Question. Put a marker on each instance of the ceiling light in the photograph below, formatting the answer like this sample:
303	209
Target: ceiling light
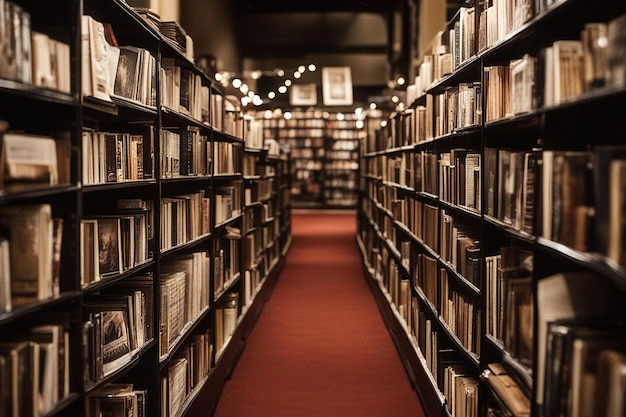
395	99
236	82
312	67
271	95
297	74
301	68
288	82
282	89
400	80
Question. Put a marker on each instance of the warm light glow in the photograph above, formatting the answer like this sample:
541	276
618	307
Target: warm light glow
268	114
340	116
245	100
400	80
244	89
257	101
287	115
312	67
360	124
383	123
218	76
280	72
288	83
236	82
250	93
271	95
297	74
395	99
301	68
358	110
372	106
256	75
282	89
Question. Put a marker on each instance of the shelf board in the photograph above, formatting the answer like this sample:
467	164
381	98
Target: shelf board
32	92
37	307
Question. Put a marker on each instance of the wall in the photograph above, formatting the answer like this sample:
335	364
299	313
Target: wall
211	25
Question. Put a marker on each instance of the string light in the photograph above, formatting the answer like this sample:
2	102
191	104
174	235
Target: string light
236	82
312	67
271	95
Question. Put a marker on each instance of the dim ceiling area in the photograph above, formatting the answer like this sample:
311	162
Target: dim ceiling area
271	36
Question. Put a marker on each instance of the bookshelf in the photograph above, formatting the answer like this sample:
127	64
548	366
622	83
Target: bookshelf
125	277
324	149
484	207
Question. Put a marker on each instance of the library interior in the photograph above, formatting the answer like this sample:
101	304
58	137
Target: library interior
363	208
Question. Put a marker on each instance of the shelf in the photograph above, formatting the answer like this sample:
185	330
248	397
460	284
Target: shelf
38	307
112	279
37	192
91	188
32	92
181	339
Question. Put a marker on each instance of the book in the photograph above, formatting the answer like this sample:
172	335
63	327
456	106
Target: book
572	295
610	384
509	392
29	161
30	231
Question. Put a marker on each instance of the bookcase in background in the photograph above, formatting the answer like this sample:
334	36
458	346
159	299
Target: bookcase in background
324	148
125	214
484	213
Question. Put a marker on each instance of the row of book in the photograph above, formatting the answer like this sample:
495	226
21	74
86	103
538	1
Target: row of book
226	158
29	56
184	296
184	218
226	260
460	389
117	399
115	157
233	123
253	132
228	200
185	152
113	243
258	191
30	249
498	18
185	372
346	134
33	161
110	70
182	91
342	144
119	322
34	369
226	317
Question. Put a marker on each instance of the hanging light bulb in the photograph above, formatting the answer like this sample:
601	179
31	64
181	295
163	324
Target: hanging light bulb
312	67
236	82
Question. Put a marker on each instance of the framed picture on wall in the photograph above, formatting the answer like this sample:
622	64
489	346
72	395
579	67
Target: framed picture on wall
337	86
303	95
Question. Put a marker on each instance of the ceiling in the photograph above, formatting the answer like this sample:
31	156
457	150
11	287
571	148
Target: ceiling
268	35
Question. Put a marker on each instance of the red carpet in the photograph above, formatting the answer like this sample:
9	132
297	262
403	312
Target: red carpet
320	347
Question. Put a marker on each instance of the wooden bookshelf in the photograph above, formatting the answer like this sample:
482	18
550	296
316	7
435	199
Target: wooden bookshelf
324	149
148	177
514	232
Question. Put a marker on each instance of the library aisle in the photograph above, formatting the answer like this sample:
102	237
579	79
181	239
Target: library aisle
320	347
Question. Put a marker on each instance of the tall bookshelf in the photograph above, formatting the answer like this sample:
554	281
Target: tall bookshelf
484	213
324	148
130	203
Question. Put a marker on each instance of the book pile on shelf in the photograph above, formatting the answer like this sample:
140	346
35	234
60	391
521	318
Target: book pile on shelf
185	372
226	160
182	91
498	18
117	400
110	70
227	202
184	218
185	152
116	157
30	161
35	367
119	323
226	320
29	56
30	249
184	296
227	260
